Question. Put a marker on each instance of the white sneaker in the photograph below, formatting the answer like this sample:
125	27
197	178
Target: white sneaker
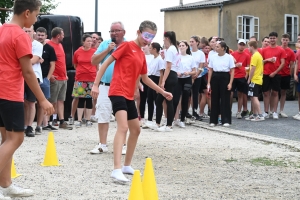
153	126
204	116
78	124
148	124
297	116
283	115
176	122
112	118
119	177
239	115
275	115
94	119
266	115
142	122
250	117
100	148
258	119
2	197
181	125
163	122
16	191
124	149
212	125
165	129
226	125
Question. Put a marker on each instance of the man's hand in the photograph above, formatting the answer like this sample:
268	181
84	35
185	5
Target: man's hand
47	107
296	78
53	79
229	86
272	74
167	95
111	46
41	60
95	92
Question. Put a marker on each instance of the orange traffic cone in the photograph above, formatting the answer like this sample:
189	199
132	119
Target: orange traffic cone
149	183
136	189
13	170
50	158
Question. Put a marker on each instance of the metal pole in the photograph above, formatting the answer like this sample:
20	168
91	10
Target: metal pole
96	15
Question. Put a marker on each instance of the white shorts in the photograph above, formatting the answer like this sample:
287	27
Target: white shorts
103	106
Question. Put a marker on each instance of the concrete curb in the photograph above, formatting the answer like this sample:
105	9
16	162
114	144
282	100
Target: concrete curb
294	145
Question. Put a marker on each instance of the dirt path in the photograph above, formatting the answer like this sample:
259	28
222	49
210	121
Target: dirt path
189	163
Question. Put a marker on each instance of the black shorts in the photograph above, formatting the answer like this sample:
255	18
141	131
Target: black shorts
240	84
29	96
12	115
120	103
253	90
271	83
285	82
203	85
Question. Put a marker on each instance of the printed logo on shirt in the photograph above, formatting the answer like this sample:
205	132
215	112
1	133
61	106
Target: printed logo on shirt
133	51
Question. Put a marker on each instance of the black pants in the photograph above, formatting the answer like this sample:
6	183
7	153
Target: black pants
143	99
151	97
220	97
169	87
183	88
195	92
88	103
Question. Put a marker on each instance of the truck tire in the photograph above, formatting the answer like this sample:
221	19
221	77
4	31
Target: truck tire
291	93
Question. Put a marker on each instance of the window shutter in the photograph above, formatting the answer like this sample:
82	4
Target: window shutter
239	27
256	27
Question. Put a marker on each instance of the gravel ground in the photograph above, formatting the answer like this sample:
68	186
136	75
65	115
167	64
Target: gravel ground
191	163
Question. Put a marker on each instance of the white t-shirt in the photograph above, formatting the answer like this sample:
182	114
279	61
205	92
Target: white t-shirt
172	55
199	57
155	66
210	54
37	50
186	64
149	58
221	63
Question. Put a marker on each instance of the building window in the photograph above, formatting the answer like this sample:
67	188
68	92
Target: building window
247	26
291	26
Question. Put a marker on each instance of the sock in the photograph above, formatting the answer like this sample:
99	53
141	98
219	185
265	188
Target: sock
61	121
54	116
127	170
103	145
118	175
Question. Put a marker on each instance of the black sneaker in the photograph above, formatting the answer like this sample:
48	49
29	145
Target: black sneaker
188	115
38	130
49	128
197	117
29	132
245	113
54	122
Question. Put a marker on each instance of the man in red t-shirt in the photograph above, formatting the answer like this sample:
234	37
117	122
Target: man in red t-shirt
252	38
15	59
240	82
274	58
58	80
286	71
297	79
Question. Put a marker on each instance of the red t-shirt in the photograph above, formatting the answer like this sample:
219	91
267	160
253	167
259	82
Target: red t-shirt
298	59
290	57
130	63
60	65
244	58
14	44
85	71
270	52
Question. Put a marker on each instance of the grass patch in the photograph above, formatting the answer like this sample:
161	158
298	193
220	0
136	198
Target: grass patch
230	160
263	161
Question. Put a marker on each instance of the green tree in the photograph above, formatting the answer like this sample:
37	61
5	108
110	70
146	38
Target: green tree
47	6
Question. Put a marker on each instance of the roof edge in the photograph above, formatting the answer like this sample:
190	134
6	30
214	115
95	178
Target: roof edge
177	8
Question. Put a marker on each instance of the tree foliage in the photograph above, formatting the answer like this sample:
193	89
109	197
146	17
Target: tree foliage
47	6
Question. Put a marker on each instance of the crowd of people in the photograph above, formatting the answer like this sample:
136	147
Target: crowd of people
116	78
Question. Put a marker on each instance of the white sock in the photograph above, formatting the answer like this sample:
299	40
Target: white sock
54	116
118	175
127	170
103	145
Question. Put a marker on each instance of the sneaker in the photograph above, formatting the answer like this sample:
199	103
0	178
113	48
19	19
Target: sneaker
239	115
275	115
100	148
54	122
29	132
112	118
245	113
78	124
16	191
266	115
165	129
124	149
197	117
49	128
83	121
283	115
148	124
226	125
142	122
181	125
66	126
89	123
188	115
118	176
2	197
297	116
204	116
153	126
71	121
94	119
38	130
163	122
258	119
212	125
250	117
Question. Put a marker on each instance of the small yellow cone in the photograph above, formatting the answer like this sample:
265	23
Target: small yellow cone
136	189
50	158
149	183
13	170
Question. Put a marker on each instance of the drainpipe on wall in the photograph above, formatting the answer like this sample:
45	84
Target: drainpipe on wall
180	2
220	12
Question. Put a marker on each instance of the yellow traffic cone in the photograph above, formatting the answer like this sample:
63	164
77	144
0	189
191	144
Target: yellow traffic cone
50	158
13	170
136	189
149	183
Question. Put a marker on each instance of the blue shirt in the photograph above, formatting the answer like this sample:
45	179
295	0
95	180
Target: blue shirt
107	76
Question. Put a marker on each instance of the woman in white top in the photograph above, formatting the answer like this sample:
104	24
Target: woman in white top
220	77
199	58
168	80
186	69
155	70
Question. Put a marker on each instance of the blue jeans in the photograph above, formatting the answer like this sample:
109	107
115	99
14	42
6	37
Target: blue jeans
45	86
298	84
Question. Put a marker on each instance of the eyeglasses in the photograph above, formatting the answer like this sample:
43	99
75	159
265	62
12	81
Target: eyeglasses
115	31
